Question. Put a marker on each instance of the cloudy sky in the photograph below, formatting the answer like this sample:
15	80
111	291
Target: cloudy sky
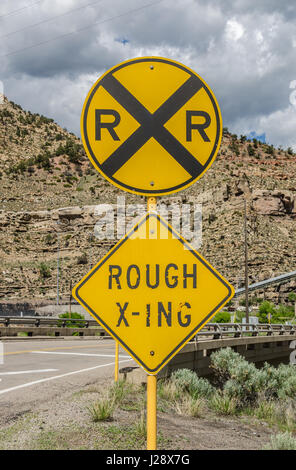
52	51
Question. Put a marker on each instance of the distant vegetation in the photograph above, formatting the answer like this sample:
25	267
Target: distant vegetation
73	151
267	311
72	316
44	270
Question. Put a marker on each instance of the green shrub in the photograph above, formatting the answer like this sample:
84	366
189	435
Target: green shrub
251	150
188	381
222	317
282	312
241	380
221	362
265	309
278	382
44	270
244	382
282	441
73	316
288	388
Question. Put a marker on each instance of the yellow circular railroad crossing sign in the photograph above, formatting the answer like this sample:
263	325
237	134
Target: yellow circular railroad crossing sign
151	126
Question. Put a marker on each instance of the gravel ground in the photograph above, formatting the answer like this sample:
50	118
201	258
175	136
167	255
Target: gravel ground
65	423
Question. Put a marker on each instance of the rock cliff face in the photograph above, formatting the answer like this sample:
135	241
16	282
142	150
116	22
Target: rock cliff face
274	203
29	240
49	193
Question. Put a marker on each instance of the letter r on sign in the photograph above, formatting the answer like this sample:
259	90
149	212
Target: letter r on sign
200	127
107	125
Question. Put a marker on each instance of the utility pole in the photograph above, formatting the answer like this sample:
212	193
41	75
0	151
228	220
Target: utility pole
70	303
246	263
90	239
58	266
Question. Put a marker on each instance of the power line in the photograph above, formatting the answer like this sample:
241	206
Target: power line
49	19
20	9
135	10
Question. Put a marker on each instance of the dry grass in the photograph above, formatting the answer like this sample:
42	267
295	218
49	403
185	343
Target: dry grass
189	406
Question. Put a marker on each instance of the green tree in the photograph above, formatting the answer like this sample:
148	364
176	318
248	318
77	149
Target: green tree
222	317
265	309
251	150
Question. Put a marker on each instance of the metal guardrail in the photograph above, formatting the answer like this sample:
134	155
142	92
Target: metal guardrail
45	321
238	330
216	330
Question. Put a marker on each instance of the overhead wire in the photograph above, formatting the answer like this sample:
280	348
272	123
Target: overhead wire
49	19
96	23
13	12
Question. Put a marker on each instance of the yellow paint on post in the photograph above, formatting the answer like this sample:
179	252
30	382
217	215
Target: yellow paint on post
116	361
151	379
151	412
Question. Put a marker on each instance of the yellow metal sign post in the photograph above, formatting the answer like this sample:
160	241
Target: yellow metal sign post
116	361
151	421
152	126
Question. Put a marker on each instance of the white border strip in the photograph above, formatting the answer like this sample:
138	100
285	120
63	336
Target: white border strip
76	354
29	372
58	377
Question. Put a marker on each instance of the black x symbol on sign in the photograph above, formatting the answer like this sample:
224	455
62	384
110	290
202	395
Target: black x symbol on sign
152	125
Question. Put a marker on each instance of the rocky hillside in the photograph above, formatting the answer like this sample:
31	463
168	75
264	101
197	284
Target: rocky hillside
49	191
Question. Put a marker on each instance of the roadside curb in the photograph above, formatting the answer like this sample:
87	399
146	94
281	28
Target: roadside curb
53	338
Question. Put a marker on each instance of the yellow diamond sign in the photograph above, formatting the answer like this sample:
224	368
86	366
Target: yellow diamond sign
152	292
151	126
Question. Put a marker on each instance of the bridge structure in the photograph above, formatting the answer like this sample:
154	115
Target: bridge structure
267	282
258	343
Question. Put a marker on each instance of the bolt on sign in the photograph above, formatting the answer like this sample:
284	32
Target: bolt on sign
152	292
151	126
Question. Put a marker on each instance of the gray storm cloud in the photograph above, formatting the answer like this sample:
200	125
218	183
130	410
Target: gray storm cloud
245	50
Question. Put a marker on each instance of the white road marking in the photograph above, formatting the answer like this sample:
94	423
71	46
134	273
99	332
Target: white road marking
76	354
28	372
58	377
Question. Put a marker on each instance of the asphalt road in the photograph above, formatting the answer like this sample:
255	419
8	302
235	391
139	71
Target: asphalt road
34	371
